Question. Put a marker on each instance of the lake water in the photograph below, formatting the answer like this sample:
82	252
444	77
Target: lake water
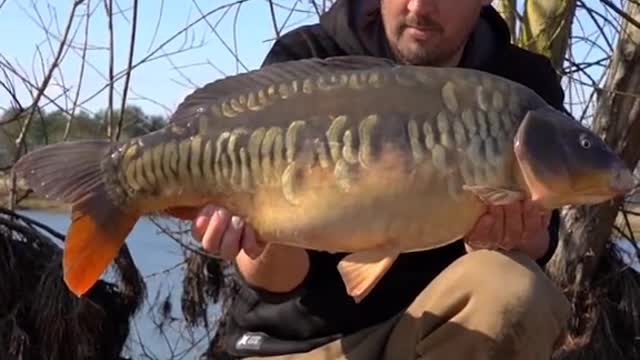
154	253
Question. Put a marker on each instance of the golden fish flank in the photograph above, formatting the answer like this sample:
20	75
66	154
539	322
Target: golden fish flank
270	155
184	148
157	153
292	138
459	133
444	127
322	153
360	81
365	131
171	160
414	140
498	101
207	160
235	158
481	121
348	152
469	121
334	82
255	141
333	136
407	78
147	169
482	98
449	97
126	175
494	123
456	126
429	135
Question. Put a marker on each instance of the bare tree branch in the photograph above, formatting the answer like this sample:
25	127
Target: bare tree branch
130	62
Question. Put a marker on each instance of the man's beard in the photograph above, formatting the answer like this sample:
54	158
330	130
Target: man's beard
421	54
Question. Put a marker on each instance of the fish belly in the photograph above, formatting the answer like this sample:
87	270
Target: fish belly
401	212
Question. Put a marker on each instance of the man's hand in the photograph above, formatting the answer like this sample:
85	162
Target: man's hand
224	235
276	268
518	226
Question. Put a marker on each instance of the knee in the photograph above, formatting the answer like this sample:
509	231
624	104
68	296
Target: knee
508	279
495	303
514	288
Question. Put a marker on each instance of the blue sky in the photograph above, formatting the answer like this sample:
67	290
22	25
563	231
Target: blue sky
22	35
156	80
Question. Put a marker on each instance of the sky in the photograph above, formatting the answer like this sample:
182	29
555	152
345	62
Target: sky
156	85
200	54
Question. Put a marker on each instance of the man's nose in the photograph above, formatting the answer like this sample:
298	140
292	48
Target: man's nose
420	7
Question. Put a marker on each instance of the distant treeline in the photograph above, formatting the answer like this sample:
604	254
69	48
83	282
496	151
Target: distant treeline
51	127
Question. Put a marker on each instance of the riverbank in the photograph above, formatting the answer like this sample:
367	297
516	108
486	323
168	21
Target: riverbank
30	202
36	203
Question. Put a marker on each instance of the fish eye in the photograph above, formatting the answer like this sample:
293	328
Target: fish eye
584	142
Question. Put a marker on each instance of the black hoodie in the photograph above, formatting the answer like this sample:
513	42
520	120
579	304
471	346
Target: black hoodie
320	310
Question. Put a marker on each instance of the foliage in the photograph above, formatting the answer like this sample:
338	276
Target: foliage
51	127
43	327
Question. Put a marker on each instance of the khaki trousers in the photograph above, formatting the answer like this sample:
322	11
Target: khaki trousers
486	305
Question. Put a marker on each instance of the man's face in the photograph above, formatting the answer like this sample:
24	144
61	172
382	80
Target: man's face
429	32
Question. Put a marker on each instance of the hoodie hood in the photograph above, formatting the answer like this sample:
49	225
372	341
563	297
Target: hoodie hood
356	26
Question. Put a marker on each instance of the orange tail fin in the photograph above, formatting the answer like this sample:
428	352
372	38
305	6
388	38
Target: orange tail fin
71	172
90	247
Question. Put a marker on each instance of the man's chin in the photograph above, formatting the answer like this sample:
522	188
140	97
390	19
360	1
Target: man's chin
417	55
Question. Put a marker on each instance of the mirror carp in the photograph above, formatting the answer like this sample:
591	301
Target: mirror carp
350	154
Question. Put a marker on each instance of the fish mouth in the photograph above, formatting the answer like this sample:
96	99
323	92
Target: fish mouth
622	181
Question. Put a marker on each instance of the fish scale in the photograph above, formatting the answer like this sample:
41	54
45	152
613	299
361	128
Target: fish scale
351	148
438	137
349	154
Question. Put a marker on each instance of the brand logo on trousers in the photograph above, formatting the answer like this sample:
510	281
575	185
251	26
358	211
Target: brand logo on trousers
249	341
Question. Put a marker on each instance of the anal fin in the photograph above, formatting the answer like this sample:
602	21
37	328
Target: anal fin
362	271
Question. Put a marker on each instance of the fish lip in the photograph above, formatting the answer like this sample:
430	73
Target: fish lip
622	180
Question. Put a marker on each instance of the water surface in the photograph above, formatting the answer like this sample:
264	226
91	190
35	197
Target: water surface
156	256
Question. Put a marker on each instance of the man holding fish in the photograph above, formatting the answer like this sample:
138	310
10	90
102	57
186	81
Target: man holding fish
455	302
387	187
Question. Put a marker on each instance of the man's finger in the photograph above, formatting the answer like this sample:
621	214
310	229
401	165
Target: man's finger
250	243
231	239
496	236
479	235
201	221
217	225
513	227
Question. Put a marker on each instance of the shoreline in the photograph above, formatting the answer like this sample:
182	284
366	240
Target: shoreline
39	204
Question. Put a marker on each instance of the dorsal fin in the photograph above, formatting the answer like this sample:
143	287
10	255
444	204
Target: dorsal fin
253	80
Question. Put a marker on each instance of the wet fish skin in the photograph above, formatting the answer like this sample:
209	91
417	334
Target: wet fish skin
364	156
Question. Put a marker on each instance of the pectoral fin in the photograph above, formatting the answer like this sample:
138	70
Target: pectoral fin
363	270
494	195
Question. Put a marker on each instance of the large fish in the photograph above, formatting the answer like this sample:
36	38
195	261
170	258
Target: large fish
350	154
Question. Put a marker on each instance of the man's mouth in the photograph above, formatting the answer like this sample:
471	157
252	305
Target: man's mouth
421	33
